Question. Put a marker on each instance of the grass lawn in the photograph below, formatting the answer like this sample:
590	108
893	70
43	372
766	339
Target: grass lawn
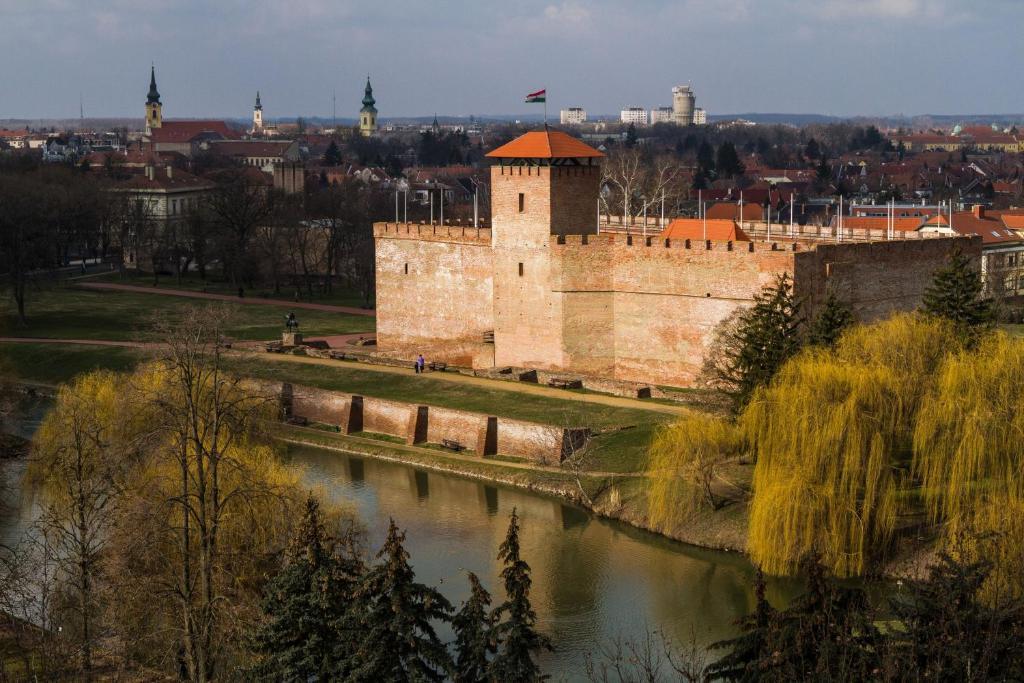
53	364
192	282
74	313
350	378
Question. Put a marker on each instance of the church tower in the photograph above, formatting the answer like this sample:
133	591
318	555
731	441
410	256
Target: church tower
154	110
368	114
257	116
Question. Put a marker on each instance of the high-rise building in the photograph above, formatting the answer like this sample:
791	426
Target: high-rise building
154	109
573	116
683	104
700	117
661	115
257	116
368	114
635	115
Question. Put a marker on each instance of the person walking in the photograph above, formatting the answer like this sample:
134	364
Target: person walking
416	364
420	362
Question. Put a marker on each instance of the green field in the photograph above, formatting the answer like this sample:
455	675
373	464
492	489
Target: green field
76	313
340	296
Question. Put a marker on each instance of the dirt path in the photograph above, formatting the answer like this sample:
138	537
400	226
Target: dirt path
499	385
258	301
518	387
434	453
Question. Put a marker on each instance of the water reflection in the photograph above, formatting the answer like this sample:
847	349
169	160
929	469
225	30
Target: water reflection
593	579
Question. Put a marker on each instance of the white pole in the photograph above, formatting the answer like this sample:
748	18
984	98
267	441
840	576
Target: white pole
704	214
598	215
700	203
431	193
440	197
740	221
405	206
645	217
839	223
476	209
663	209
769	214
396	205
791	224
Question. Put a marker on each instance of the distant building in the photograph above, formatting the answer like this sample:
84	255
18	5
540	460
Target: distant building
683	104
661	115
368	114
573	116
700	117
261	154
257	116
154	109
635	115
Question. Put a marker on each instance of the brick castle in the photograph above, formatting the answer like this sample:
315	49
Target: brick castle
541	289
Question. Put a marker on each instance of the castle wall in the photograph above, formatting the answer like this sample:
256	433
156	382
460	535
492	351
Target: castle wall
435	293
875	278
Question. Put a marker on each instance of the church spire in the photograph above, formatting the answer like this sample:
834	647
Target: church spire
368	100
258	105
154	96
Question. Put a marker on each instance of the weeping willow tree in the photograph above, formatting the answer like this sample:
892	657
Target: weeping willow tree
967	453
831	436
684	468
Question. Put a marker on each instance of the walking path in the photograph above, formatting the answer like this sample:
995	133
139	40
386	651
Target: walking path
455	377
258	301
340	439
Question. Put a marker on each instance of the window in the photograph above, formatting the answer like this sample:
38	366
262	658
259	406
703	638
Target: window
406	268
522	205
520	263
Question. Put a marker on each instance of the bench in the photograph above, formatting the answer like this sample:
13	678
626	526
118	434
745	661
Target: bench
438	366
337	355
452	445
297	420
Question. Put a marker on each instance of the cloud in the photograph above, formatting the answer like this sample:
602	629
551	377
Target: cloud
920	10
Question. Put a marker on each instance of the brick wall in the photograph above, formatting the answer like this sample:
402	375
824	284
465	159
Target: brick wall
434	293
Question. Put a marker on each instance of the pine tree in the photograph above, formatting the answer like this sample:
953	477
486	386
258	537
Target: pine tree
948	634
397	641
705	158
765	336
305	602
729	163
631	136
832	318
475	641
812	150
826	634
955	293
746	652
332	157
518	636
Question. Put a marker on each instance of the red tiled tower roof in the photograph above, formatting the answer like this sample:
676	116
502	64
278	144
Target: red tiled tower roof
545	144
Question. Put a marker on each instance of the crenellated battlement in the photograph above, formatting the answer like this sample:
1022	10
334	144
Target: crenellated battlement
436	232
801	243
567	171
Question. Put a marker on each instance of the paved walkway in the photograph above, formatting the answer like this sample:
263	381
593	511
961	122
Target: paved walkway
258	301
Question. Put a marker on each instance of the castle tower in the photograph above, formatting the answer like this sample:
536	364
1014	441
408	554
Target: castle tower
257	116
368	114
154	110
545	186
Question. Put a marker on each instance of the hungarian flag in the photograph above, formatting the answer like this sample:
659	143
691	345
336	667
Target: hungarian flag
539	96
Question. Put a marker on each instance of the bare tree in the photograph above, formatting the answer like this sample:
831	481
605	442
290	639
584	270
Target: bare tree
652	658
238	207
637	183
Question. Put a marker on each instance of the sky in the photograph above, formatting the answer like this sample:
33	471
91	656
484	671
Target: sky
451	57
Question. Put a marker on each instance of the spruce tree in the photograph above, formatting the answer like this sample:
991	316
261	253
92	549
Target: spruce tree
397	641
304	604
475	641
828	324
955	294
517	634
746	652
765	336
332	157
948	634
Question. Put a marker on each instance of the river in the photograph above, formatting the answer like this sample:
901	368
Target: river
593	579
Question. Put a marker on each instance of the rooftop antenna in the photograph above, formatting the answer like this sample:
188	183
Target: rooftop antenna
81	110
334	110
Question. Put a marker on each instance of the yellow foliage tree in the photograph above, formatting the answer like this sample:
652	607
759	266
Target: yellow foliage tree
684	468
831	438
967	453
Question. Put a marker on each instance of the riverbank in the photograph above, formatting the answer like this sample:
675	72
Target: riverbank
617	496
